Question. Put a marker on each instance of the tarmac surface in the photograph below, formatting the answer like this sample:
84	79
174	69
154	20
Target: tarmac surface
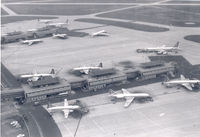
128	25
34	121
10	19
173	113
7	78
39	122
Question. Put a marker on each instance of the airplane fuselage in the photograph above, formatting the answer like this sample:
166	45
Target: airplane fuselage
74	107
182	81
130	95
100	33
87	68
27	41
162	48
35	75
30	42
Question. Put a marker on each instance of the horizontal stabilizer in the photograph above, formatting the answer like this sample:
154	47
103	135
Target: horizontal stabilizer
177	44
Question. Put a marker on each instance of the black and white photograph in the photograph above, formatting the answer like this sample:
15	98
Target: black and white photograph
100	68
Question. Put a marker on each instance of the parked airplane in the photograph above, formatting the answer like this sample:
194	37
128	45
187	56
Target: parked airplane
161	50
35	76
185	82
100	33
87	69
61	36
66	108
128	96
30	42
44	21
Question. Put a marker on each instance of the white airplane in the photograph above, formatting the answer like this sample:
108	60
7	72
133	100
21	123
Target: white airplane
44	21
66	108
61	36
35	76
31	42
185	82
128	96
161	50
87	69
99	33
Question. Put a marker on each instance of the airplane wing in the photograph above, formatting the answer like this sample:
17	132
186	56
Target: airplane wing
66	113
104	34
30	43
128	101
187	85
34	78
100	33
86	71
162	51
125	91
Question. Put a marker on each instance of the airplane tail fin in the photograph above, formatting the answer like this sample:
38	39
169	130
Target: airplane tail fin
182	77
177	44
52	71
66	103
100	65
